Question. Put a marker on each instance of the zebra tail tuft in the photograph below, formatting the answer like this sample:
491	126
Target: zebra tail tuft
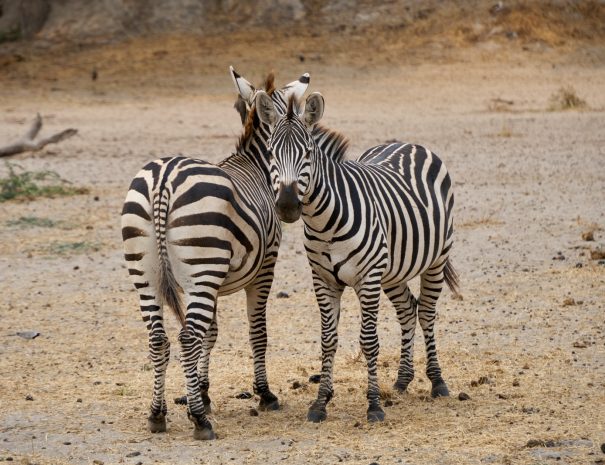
170	290
451	277
168	287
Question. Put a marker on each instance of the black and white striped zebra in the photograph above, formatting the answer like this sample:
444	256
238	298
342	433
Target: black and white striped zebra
369	224
194	231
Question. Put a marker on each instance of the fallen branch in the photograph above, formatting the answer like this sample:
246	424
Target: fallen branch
28	144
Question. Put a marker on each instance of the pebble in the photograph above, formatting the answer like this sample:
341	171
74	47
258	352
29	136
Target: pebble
29	397
516	383
253	412
282	295
136	453
603	447
315	379
98	462
79	400
388	403
28	334
464	396
180	400
244	395
297	385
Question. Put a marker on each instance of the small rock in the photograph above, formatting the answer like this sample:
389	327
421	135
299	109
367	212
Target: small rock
568	302
526	366
282	295
67	443
374	463
96	383
136	453
301	58
96	198
98	462
180	400
588	236
315	379
357	425
464	396
559	257
79	400
597	254
297	385
244	395
484	380
579	265
535	443
253	412
388	403
603	447
580	345
28	334
503	396
8	459
29	397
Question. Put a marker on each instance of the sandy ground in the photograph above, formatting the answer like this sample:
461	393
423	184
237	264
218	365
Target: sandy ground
528	182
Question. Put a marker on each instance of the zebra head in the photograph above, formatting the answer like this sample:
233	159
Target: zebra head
291	148
247	93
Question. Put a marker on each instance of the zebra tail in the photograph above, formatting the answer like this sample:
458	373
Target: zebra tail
168	287
451	277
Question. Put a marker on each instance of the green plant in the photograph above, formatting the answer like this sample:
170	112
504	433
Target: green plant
62	248
33	222
31	184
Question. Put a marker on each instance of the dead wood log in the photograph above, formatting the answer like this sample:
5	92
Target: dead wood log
28	144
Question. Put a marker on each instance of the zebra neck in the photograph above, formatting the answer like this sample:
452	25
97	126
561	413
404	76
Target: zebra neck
321	202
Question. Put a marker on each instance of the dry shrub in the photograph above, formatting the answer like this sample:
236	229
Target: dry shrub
565	99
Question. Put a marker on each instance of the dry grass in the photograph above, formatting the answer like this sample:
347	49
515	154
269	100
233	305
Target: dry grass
566	98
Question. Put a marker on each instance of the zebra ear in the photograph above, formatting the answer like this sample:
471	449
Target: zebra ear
243	87
314	109
296	88
265	108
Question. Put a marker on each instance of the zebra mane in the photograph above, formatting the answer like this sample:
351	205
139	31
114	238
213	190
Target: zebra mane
332	144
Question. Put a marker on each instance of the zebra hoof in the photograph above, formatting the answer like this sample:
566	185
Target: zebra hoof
268	402
156	424
317	414
203	434
440	389
375	414
401	386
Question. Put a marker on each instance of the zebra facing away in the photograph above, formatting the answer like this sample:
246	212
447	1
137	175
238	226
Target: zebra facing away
369	224
194	231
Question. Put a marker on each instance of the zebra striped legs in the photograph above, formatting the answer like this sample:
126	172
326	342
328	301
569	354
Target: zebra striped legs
204	363
431	283
256	297
201	309
328	299
405	305
159	354
369	299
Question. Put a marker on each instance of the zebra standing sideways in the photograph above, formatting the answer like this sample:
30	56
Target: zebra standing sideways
193	231
369	224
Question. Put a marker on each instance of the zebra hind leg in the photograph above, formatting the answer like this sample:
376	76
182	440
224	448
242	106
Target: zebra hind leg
256	296
405	305
431	284
204	364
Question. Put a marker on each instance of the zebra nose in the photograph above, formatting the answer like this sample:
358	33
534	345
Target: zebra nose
288	196
288	206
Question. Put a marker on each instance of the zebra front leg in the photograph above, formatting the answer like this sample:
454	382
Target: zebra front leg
201	307
369	298
431	283
204	364
405	305
328	299
159	354
256	296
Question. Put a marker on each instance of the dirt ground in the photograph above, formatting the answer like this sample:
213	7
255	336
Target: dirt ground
526	343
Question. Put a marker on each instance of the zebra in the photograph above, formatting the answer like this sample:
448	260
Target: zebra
369	224
193	231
